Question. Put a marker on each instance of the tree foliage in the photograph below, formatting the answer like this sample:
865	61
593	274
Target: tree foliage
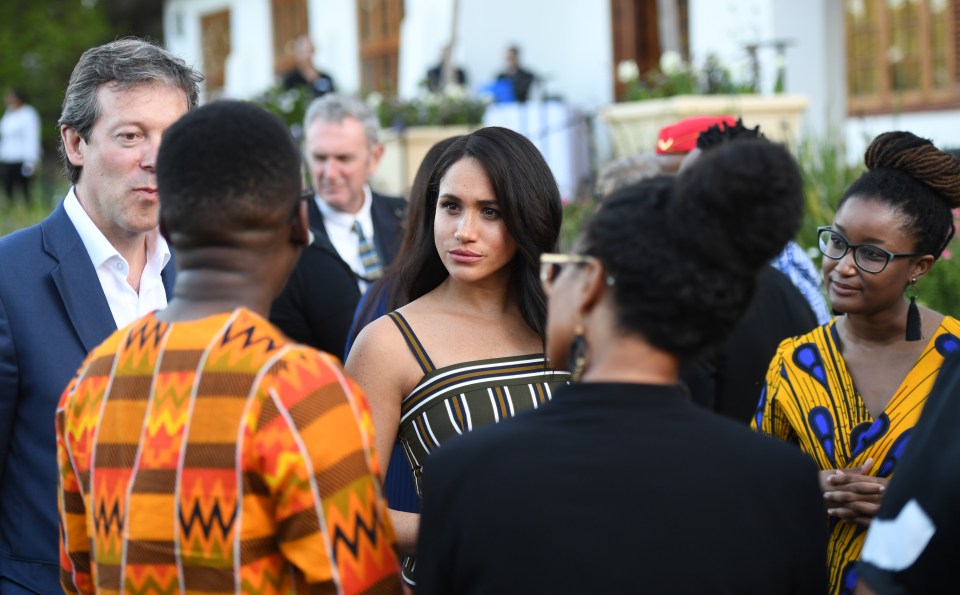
40	42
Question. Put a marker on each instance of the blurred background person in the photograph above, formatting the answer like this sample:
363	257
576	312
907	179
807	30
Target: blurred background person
849	393
467	350
519	78
305	74
357	231
436	80
19	144
627	171
620	484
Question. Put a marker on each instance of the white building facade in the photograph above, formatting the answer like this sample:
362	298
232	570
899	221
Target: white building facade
569	44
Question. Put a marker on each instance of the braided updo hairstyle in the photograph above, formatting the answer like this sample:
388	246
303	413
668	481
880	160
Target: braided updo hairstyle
912	176
684	252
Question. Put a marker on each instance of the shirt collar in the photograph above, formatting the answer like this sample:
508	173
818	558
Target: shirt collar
99	247
332	216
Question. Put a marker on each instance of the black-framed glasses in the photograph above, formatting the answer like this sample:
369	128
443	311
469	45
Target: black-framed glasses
869	258
551	264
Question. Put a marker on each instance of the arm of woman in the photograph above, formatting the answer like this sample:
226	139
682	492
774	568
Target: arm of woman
377	364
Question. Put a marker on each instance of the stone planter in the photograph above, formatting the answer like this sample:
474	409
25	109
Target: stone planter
403	152
634	125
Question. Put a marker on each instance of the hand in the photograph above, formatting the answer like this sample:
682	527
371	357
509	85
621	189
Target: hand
852	494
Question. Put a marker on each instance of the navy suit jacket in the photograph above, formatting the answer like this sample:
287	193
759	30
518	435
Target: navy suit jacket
317	305
52	312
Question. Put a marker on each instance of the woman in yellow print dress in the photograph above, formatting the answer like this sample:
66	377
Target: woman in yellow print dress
849	392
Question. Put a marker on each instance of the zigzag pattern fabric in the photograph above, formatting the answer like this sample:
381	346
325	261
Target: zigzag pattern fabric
216	456
809	398
373	268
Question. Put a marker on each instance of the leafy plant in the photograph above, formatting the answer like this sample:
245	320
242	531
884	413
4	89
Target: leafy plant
450	107
675	76
290	104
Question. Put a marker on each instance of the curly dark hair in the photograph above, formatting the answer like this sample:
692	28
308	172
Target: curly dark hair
224	169
721	133
685	252
529	200
912	176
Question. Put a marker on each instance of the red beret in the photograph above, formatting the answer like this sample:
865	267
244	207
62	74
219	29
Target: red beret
681	138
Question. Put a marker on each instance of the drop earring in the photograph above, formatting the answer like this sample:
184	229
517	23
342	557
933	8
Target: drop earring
914	331
577	354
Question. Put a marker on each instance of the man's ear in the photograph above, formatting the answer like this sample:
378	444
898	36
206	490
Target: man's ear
376	154
71	145
301	234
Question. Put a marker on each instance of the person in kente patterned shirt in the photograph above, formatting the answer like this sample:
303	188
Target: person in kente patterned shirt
200	450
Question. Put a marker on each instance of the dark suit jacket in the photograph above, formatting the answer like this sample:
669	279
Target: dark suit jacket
52	312
316	307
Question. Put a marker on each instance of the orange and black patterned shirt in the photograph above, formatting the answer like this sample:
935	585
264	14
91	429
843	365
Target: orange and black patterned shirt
216	456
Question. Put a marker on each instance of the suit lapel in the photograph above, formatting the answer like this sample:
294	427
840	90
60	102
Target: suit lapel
316	218
169	277
76	280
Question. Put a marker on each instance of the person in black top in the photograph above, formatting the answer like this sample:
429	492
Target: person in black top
435	82
304	73
620	484
914	541
520	79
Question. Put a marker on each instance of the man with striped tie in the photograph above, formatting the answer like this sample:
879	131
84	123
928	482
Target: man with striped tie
358	231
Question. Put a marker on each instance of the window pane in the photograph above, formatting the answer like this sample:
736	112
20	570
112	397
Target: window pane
904	51
940	44
864	60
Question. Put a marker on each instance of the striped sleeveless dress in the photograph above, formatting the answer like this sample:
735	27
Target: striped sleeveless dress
454	399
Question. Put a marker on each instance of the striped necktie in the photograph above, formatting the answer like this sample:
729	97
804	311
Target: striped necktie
368	255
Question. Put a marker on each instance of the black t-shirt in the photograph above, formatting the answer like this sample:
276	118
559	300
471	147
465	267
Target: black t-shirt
914	542
620	488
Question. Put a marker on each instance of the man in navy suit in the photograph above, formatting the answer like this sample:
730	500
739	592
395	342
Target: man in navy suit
95	264
357	231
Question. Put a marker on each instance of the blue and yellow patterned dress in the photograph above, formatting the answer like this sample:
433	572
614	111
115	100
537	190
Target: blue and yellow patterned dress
809	398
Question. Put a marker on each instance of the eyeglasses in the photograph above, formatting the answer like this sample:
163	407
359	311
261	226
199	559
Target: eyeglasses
869	258
552	264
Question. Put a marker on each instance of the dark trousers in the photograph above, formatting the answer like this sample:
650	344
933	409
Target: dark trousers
13	179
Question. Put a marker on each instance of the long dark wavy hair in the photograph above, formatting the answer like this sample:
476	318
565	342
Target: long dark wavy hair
386	292
529	202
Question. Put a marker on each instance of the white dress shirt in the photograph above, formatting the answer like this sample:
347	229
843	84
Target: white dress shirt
339	226
126	305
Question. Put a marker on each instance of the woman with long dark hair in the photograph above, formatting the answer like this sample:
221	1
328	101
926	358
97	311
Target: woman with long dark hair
468	348
386	295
